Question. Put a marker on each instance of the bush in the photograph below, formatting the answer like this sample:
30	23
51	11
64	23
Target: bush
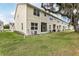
6	26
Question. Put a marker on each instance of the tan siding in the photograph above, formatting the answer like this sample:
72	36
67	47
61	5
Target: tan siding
20	18
26	16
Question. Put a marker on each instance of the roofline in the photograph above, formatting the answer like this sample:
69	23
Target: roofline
45	11
1	21
39	9
15	11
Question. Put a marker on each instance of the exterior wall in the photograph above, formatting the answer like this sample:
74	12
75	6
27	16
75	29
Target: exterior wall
41	18
20	17
38	19
24	14
1	26
11	27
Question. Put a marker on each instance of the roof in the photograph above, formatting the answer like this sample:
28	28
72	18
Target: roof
45	12
1	22
41	10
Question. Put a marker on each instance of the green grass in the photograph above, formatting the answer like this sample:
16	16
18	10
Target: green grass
63	43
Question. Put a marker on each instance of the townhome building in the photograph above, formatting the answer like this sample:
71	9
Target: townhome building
11	26
1	26
31	20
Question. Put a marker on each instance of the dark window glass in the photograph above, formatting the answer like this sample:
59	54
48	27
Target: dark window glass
49	26
57	27
34	26
36	12
43	27
44	14
54	27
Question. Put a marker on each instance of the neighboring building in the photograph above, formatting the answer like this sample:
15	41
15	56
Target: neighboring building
31	20
11	27
1	26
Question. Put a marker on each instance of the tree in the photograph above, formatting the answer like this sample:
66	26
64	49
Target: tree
6	26
71	10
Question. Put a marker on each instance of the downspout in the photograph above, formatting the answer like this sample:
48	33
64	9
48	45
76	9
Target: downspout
26	19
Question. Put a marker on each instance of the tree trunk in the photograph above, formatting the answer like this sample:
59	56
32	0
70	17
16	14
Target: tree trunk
76	26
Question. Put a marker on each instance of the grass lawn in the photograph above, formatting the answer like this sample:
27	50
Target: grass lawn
63	43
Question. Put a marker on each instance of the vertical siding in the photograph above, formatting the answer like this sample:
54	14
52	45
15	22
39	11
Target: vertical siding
25	15
20	18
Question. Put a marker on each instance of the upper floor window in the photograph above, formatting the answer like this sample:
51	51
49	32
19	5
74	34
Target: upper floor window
58	21
36	12
44	14
50	18
62	22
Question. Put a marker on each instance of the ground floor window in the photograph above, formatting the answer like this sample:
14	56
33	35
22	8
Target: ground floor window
63	28
34	26
59	26
50	28
43	27
54	27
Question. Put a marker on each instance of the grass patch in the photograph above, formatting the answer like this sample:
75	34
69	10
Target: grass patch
62	43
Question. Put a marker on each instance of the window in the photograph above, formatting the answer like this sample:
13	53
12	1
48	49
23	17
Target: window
50	17
62	22
36	12
34	26
22	26
63	28
43	27
59	26
58	21
54	27
50	27
44	14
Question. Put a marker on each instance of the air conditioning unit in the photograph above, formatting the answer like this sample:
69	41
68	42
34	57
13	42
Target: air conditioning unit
33	32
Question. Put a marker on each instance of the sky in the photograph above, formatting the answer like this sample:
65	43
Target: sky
7	11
